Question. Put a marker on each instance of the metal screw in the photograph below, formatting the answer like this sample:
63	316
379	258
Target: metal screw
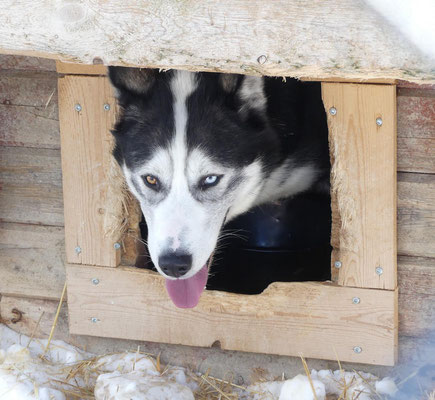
117	246
332	111
357	349
106	107
379	270
262	59
337	264
379	121
78	107
95	281
356	300
94	320
78	249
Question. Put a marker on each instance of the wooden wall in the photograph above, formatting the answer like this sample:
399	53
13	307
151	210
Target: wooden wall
31	206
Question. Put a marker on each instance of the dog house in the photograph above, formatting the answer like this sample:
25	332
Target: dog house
355	316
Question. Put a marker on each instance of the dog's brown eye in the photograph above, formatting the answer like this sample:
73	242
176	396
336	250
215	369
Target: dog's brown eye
151	181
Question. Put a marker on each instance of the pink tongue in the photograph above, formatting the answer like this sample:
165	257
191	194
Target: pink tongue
185	293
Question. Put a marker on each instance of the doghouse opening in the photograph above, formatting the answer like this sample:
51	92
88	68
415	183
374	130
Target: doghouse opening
284	241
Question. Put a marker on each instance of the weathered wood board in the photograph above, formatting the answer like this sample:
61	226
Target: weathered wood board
346	38
416	277
416	130
363	180
86	145
219	363
31	186
287	319
32	260
416	214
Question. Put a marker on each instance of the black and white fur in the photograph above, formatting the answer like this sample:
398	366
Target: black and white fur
218	144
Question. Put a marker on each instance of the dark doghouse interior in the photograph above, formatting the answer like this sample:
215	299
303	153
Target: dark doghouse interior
284	241
288	241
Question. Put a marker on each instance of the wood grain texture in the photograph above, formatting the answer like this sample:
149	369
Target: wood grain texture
31	186
311	319
24	63
28	109
416	278
86	145
221	363
31	260
416	214
416	131
80	69
346	39
363	179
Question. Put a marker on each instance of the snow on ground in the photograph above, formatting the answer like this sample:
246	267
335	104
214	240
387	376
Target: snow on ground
27	373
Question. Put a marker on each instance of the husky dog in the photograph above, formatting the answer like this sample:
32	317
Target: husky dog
198	149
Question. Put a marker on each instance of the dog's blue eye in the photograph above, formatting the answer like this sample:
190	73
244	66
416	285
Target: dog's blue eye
210	180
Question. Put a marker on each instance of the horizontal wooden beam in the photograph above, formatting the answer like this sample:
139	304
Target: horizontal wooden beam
316	320
320	39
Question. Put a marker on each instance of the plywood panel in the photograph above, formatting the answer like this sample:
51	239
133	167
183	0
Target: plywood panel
363	181
86	145
347	39
32	260
313	319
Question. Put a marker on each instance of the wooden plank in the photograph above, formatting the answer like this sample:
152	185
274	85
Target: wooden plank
416	278
416	131
313	319
31	89
28	110
26	63
31	260
31	186
411	350
86	145
29	126
363	157
80	69
347	39
416	214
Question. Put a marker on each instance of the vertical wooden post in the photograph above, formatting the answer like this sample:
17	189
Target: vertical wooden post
362	136
86	115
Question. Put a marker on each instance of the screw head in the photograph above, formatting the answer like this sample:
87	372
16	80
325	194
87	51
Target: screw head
262	59
357	349
94	320
379	270
95	281
379	121
78	107
337	264
117	246
356	300
78	249
333	111
106	107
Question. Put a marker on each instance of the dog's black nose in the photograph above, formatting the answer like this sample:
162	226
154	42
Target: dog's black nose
175	264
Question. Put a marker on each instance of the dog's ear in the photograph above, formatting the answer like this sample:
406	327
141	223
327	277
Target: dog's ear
252	96
230	82
132	81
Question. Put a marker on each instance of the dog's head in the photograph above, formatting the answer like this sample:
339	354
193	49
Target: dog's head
192	147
